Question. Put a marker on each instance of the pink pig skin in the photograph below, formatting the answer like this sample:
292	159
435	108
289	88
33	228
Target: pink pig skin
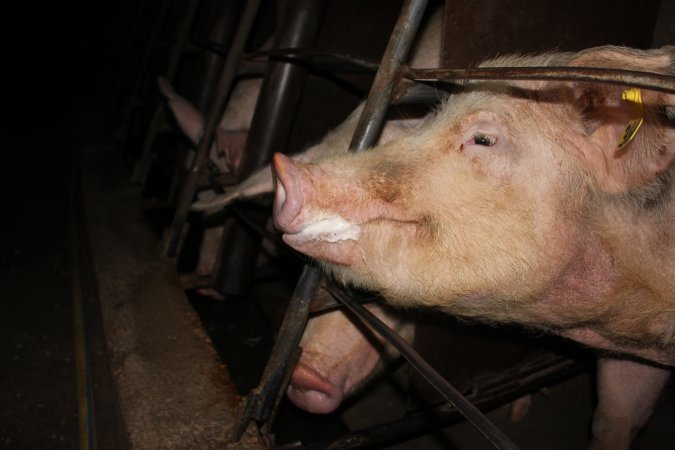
515	204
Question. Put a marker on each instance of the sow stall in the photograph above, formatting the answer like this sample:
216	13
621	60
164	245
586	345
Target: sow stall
174	390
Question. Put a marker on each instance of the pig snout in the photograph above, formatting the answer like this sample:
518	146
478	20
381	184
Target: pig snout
310	214
312	392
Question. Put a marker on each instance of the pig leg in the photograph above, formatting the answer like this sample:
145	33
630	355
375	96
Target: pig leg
627	393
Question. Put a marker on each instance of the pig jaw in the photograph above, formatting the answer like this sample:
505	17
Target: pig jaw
312	392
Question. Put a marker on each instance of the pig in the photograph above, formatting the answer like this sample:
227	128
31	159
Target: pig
232	130
226	154
339	355
519	202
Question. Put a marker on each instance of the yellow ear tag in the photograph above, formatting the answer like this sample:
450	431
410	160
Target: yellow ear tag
632	95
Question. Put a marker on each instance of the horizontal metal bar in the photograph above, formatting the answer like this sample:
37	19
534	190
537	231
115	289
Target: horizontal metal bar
319	58
645	80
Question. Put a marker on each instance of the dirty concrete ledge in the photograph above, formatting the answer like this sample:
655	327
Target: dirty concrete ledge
172	389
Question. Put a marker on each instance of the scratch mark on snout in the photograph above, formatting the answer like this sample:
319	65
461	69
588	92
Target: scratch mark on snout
387	180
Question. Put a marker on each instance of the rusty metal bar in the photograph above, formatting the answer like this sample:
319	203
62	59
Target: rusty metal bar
279	98
519	383
375	110
646	80
366	135
175	231
221	34
493	434
143	166
261	401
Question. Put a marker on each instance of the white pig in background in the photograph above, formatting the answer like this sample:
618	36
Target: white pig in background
232	129
226	153
520	202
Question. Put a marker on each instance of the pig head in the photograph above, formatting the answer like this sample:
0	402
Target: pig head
522	202
513	205
232	129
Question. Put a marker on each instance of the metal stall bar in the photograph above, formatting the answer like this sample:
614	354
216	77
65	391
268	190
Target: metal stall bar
143	166
175	231
646	80
262	402
269	132
220	35
375	110
283	357
220	38
493	434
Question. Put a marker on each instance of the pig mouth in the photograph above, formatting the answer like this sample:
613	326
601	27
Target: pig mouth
338	241
312	392
325	246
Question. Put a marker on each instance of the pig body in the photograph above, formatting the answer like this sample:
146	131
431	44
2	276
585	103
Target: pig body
520	202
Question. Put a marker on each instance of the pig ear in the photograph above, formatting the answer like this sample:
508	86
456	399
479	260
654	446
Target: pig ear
189	119
629	138
230	144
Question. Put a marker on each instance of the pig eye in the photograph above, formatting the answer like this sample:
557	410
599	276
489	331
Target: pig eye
483	139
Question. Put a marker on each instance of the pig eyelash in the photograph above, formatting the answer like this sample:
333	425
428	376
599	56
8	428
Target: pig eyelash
483	139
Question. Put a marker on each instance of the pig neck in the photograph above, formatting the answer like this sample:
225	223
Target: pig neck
639	236
622	291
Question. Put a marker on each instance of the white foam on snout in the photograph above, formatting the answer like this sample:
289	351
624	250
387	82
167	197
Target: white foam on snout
331	228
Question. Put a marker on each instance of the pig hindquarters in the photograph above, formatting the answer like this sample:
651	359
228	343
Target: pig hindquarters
520	202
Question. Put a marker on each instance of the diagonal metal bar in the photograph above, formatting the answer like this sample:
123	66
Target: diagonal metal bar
448	391
140	174
175	231
375	110
261	401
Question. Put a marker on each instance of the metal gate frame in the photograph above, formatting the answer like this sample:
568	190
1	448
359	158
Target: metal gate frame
392	82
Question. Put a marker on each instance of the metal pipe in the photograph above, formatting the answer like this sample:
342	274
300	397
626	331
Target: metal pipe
260	402
646	80
270	129
175	230
143	166
375	110
454	397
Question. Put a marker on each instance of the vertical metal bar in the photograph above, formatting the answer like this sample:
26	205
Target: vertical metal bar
175	231
269	132
222	34
143	166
